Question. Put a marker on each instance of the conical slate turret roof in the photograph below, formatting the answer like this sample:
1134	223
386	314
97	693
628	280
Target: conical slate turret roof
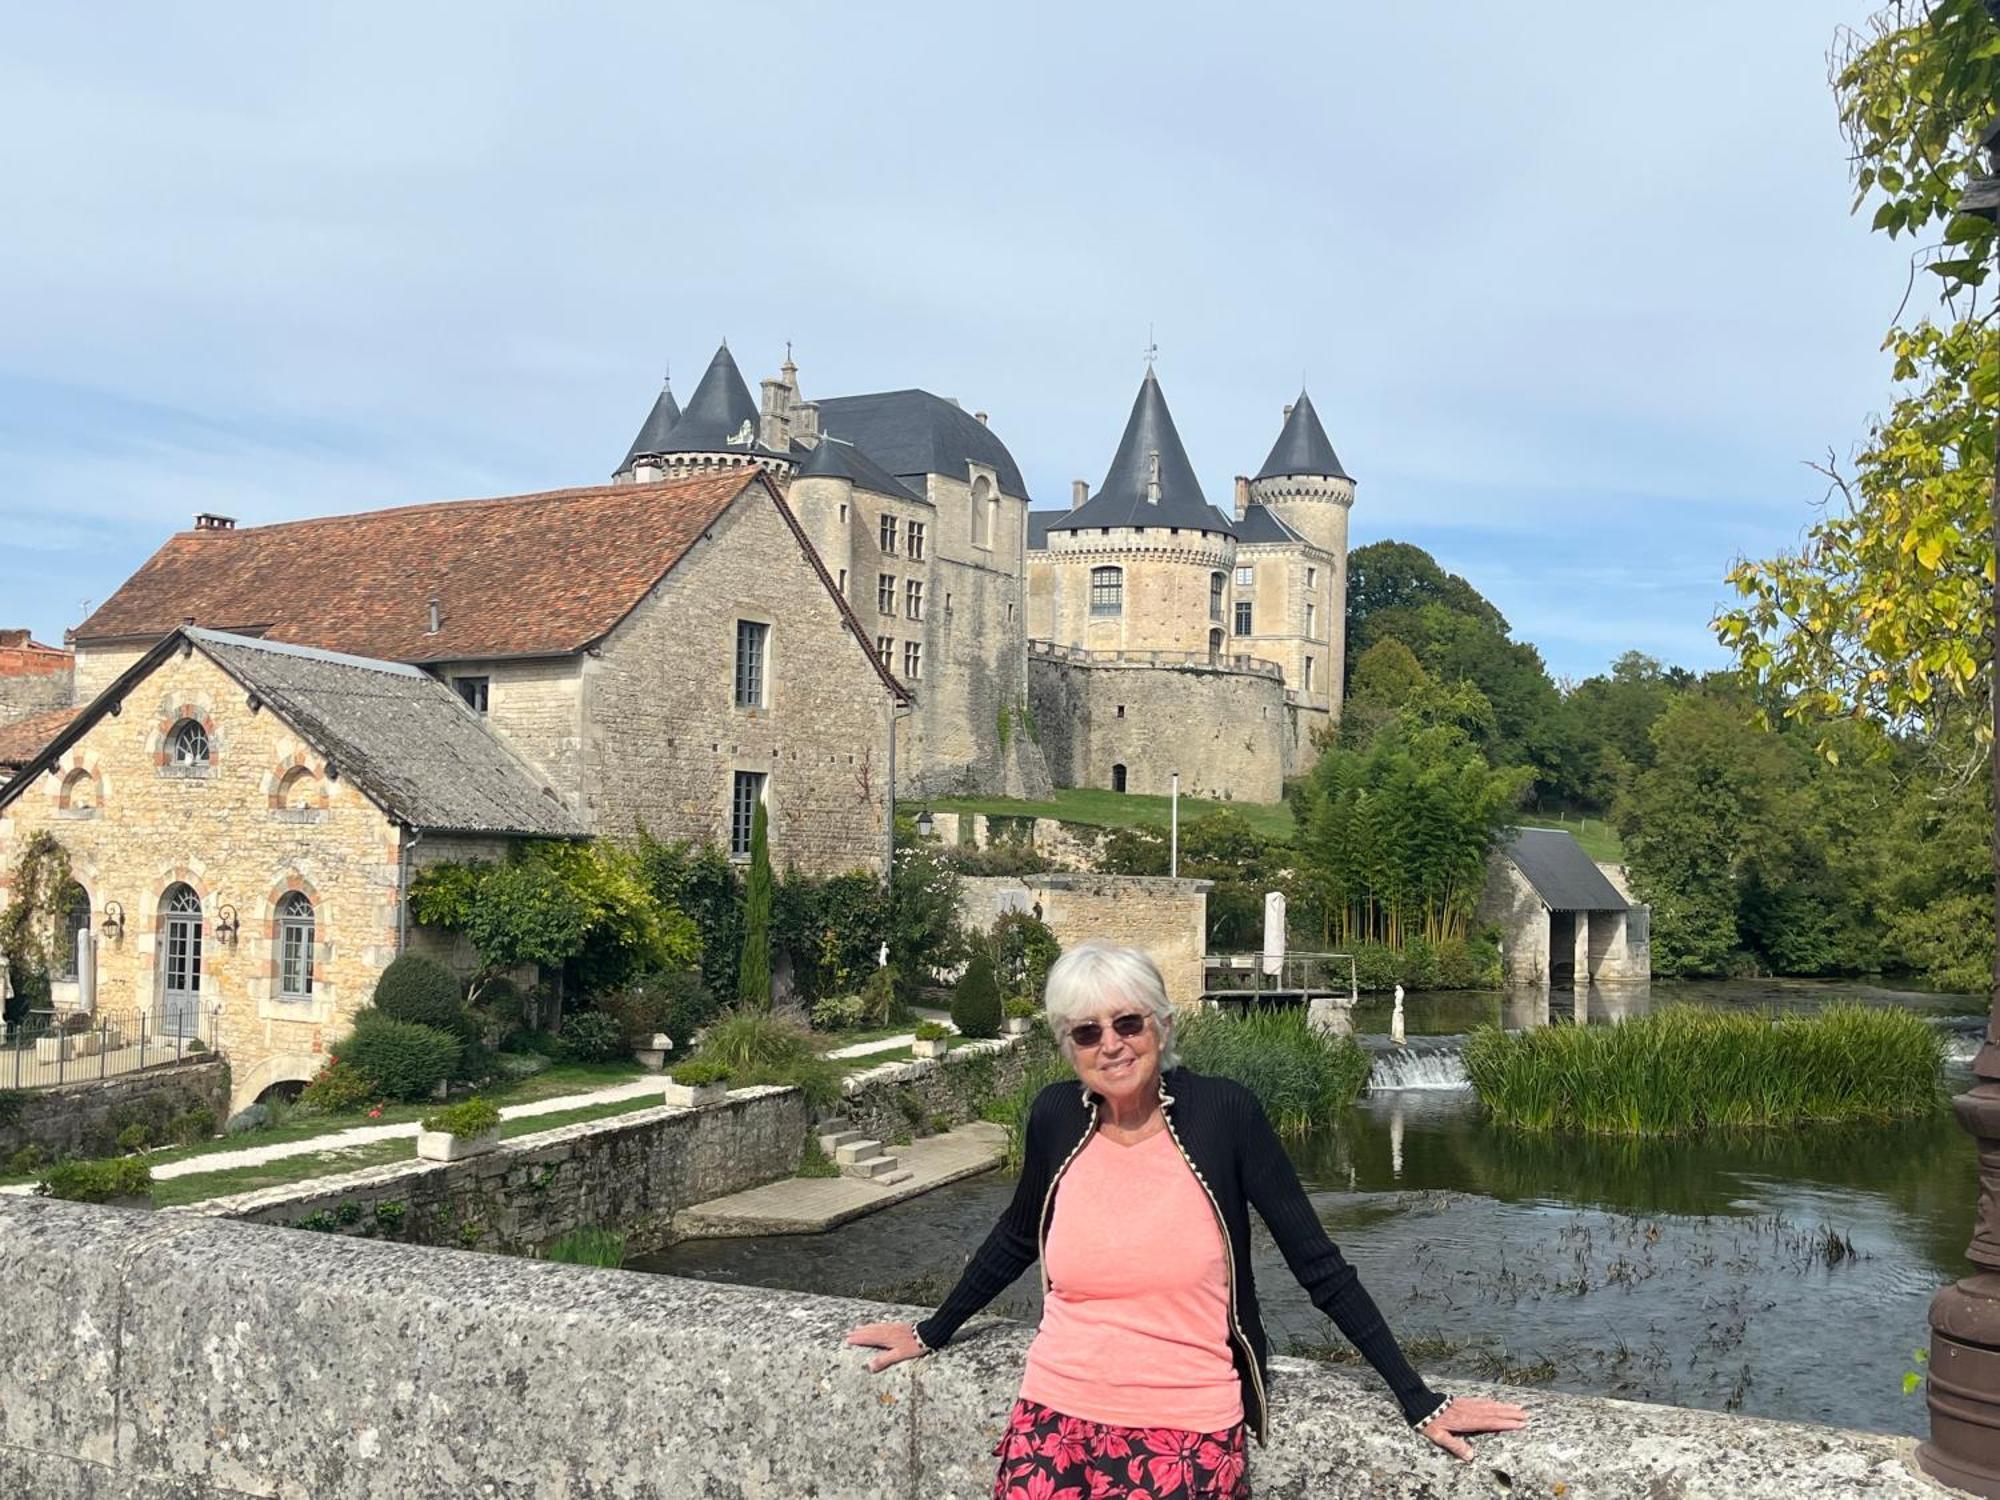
1302	447
1150	448
659	422
720	416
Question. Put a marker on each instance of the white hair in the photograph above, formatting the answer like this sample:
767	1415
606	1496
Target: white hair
1083	978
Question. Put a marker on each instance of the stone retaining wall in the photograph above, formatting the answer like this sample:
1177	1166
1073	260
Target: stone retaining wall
157	1355
628	1173
84	1119
899	1100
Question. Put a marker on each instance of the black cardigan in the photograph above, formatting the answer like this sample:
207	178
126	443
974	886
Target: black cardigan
1228	1142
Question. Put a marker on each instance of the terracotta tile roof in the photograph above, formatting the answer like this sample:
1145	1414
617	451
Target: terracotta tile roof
524	575
21	655
23	739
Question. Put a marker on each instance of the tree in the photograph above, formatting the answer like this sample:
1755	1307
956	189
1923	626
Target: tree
753	973
975	1003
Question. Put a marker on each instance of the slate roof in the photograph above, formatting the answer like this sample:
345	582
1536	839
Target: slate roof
1122	500
714	417
1039	522
1562	874
23	739
653	432
404	738
1261	524
836	459
912	433
1302	446
525	575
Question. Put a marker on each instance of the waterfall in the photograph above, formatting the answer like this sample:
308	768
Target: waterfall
1409	1068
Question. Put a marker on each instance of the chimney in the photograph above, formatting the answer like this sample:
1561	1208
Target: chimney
648	471
1079	491
208	521
13	637
1242	495
437	618
979	417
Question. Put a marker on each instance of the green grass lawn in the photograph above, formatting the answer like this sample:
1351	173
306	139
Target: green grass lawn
1098	808
1599	839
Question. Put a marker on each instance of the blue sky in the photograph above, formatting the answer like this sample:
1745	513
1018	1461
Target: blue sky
1573	286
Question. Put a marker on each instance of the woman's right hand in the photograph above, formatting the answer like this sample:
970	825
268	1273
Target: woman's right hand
897	1341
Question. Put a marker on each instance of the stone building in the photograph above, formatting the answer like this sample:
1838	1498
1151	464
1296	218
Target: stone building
1563	919
1167	637
241	819
668	653
919	514
35	680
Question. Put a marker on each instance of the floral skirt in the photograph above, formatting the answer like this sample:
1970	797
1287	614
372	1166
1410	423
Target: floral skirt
1048	1456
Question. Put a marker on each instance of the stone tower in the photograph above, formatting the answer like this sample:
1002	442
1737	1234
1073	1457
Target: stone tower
1303	484
720	427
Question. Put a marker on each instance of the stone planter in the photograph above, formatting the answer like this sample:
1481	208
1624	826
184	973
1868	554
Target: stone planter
688	1096
1017	1025
442	1145
62	1048
654	1057
929	1046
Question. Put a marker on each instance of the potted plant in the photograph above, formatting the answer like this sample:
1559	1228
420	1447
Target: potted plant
471	1128
932	1039
1021	1013
700	1080
653	1055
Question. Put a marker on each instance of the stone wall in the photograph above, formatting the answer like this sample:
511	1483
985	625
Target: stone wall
84	1119
156	1355
97	667
537	708
1225	730
630	1173
263	818
664	735
899	1100
1510	903
1167	919
33	678
1067	846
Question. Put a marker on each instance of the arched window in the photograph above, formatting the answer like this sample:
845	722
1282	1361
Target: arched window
180	972
982	512
299	791
75	915
1215	643
295	946
1118	778
190	744
1215	586
1107	591
79	792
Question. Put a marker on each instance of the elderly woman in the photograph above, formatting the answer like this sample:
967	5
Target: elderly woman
1135	1194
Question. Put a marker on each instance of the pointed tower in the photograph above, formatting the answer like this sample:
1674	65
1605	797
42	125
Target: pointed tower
1303	485
1143	564
718	428
652	438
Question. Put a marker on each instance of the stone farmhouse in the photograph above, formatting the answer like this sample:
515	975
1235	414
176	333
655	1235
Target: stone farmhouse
1564	919
1168	637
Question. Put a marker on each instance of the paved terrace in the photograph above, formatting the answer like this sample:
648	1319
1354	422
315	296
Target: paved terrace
152	1355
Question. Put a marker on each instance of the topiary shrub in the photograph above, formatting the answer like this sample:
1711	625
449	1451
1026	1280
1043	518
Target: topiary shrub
594	1036
424	992
402	1059
975	1004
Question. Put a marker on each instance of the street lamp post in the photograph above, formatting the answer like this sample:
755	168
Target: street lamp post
1963	1390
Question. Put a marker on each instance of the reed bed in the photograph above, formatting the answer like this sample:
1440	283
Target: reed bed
1685	1070
1303	1077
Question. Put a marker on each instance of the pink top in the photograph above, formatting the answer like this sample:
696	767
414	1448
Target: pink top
1135	1321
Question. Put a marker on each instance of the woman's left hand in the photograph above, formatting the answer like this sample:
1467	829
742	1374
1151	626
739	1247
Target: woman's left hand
1464	1415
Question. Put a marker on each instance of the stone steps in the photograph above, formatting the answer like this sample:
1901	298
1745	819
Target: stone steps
853	1153
832	1141
859	1157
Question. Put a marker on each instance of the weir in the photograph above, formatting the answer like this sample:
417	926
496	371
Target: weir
149	1355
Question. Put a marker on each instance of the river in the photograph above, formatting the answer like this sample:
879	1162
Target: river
1784	1274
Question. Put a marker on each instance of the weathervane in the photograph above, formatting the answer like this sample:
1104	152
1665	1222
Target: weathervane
1152	348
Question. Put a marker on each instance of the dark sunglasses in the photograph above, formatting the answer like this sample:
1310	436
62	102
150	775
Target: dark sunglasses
1090	1033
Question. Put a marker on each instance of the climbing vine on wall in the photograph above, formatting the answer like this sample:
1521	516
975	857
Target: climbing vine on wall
41	879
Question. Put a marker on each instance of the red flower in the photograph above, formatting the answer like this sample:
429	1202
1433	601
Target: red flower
1101	1485
1066	1446
1168	1460
1040	1486
1224	1461
1109	1442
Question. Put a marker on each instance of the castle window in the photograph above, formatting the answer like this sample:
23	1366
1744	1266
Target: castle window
916	540
1121	712
843	580
913	660
913	599
982	512
889	535
1107	591
73	920
1243	617
1245	577
1309	674
1215	586
744	795
1312	615
1215	643
1118	778
843	512
80	793
753	637
885	593
190	744
474	690
885	650
1312	578
295	946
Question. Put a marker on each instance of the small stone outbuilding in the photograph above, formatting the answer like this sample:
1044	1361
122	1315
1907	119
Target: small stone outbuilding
1563	918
